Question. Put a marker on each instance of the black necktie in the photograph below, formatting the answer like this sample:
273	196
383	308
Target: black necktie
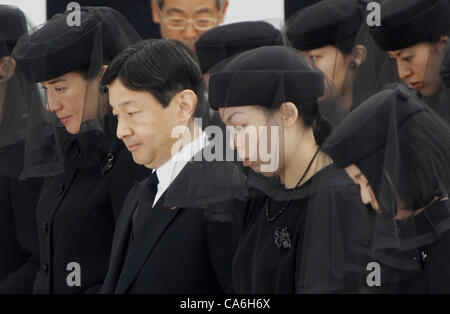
145	204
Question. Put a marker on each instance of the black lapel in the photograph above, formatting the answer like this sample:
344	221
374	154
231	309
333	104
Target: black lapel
155	224
121	238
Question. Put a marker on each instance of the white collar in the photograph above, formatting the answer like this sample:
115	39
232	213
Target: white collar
172	168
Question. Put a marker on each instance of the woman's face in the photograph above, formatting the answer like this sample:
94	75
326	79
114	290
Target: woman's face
418	66
69	98
367	195
332	62
255	135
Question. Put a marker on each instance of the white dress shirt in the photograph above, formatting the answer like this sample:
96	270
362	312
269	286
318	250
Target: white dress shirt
172	168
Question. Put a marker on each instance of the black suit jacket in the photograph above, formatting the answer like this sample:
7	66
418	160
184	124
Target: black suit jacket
177	251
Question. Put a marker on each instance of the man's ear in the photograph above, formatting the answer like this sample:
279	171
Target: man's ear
155	12
7	68
289	114
359	54
186	102
223	12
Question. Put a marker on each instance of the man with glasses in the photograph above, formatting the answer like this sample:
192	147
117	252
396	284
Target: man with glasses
187	20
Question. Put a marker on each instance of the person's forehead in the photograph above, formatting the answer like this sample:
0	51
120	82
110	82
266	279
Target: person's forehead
239	112
421	47
323	49
118	93
71	76
121	96
190	5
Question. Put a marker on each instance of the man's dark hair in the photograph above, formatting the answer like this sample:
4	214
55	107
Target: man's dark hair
162	67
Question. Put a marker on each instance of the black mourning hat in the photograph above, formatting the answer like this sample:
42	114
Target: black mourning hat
57	48
327	22
12	26
228	40
445	68
365	130
368	137
408	22
265	76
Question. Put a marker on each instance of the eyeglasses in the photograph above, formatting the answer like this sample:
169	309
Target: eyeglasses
180	23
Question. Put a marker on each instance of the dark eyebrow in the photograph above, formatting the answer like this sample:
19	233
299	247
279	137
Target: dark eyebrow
56	81
397	54
126	102
123	103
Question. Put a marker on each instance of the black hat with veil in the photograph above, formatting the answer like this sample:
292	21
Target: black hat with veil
397	142
63	55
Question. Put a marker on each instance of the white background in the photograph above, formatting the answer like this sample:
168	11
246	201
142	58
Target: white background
238	10
35	10
249	10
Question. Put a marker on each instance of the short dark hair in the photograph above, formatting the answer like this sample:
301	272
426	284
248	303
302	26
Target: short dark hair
219	3
162	67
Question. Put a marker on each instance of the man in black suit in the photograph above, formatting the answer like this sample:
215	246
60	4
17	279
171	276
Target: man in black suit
154	88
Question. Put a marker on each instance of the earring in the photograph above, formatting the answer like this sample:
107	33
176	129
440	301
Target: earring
353	65
104	89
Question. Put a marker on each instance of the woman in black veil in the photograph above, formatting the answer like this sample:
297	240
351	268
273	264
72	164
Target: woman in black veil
398	150
18	234
334	35
298	229
88	171
414	33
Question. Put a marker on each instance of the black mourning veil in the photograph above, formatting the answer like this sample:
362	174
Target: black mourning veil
396	141
357	73
19	99
50	53
420	49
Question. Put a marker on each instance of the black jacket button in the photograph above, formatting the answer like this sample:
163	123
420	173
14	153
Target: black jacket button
45	268
45	227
